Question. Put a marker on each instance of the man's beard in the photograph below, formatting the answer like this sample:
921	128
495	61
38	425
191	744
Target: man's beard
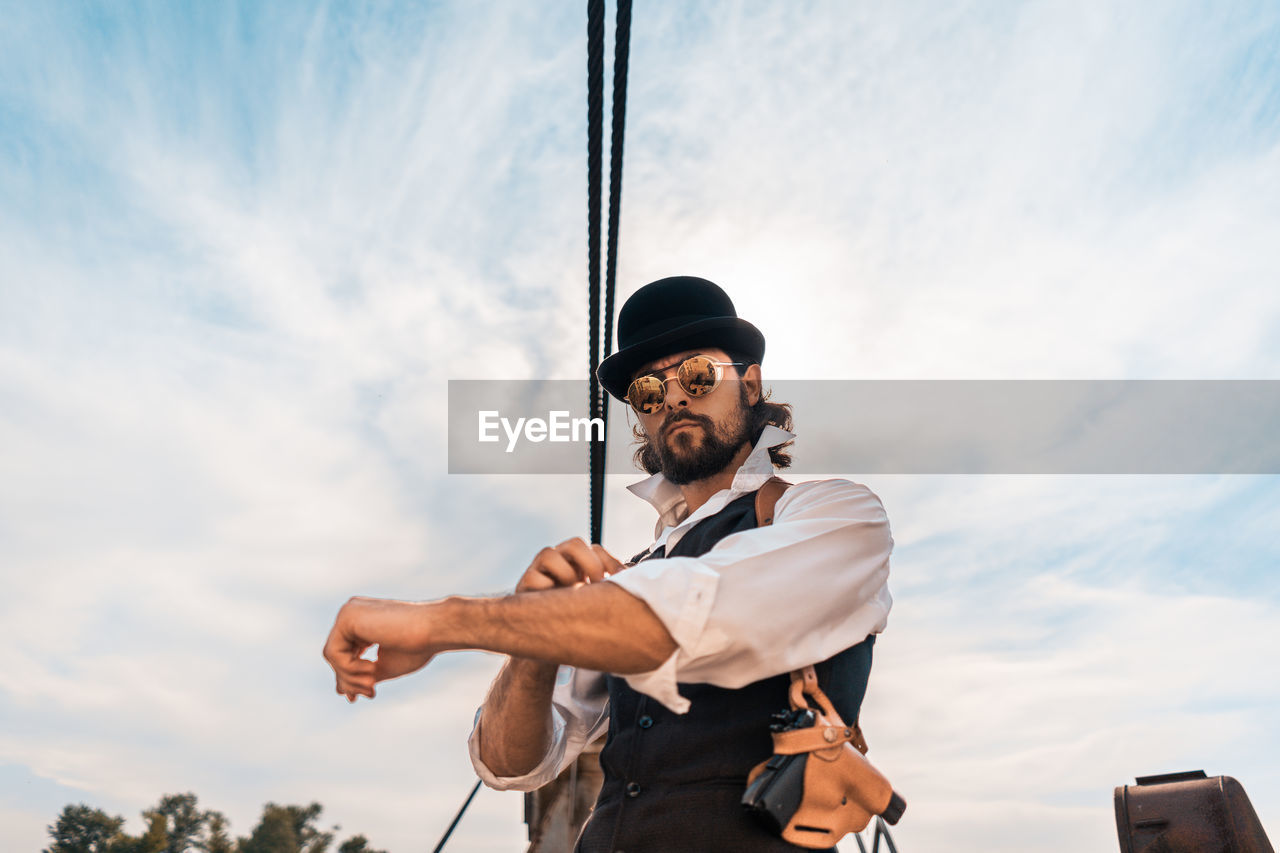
681	462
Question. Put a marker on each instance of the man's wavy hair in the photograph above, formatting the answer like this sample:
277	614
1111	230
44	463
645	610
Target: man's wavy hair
762	414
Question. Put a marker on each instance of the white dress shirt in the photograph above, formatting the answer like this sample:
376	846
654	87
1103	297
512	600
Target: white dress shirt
761	602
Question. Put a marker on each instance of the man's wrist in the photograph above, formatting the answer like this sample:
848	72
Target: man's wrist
460	622
443	624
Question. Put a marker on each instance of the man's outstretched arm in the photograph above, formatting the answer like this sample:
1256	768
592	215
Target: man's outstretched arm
597	626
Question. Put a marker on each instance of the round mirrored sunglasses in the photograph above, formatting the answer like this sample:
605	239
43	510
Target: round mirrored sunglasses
698	375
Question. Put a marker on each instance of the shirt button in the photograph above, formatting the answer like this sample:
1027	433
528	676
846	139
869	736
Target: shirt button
633	789
645	722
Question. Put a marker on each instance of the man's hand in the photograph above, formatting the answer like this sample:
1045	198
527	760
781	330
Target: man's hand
398	628
570	563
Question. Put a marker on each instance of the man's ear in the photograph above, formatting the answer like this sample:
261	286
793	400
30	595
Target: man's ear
754	383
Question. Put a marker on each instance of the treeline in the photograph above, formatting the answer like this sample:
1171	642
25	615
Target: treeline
177	825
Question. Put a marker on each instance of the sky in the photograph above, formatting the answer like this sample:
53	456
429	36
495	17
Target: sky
244	247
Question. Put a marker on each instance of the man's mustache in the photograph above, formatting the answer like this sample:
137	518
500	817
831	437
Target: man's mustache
675	422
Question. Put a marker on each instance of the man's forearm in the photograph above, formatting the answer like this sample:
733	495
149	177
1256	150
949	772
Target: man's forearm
515	726
598	626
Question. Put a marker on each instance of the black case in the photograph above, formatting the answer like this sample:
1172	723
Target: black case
1188	813
776	793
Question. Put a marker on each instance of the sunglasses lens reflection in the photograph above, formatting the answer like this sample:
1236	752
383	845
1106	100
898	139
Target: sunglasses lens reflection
697	376
647	394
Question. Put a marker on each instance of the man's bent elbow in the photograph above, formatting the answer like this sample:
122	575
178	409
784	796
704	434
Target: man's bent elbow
531	750
505	771
501	776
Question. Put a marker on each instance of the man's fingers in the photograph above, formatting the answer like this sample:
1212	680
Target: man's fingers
611	563
353	668
363	624
587	563
362	686
568	564
331	644
349	660
554	566
342	645
354	674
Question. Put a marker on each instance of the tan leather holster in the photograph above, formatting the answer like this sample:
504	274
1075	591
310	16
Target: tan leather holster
842	791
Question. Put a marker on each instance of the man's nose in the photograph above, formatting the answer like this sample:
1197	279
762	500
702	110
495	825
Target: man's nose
675	395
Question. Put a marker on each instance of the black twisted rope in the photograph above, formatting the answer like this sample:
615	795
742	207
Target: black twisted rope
595	133
621	54
448	832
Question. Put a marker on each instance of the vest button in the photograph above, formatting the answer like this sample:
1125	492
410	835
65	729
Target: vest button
633	789
645	722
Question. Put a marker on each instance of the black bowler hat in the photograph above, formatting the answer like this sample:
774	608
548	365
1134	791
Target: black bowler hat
670	315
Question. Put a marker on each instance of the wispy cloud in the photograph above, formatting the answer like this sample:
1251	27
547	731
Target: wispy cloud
242	249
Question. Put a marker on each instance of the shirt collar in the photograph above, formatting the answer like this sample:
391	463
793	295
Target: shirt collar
668	500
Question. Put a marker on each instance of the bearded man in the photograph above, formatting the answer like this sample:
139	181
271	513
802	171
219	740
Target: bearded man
682	654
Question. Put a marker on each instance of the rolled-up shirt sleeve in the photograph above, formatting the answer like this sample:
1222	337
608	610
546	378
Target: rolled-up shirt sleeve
579	715
773	599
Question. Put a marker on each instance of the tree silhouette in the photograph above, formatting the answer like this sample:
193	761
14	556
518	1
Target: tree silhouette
183	821
275	833
154	840
81	829
216	839
357	844
287	829
177	825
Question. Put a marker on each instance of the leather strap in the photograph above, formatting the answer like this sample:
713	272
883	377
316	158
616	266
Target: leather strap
859	742
809	676
767	499
811	739
804	682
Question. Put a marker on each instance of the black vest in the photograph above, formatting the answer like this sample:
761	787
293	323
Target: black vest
673	783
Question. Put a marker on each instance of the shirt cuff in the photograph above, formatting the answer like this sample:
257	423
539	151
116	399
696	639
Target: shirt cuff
680	592
546	770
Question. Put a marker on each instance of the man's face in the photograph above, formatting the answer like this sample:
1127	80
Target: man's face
697	437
